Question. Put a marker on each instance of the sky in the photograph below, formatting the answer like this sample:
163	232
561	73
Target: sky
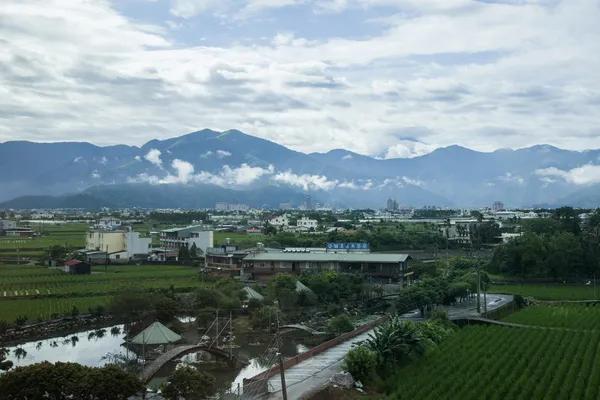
389	78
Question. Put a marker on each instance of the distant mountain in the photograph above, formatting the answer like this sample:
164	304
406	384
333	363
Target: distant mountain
232	166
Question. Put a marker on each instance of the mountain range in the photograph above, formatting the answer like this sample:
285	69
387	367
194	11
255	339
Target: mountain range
201	168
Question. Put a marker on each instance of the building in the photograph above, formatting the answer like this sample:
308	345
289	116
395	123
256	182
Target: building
308	203
76	267
25	232
283	220
384	267
6	225
228	259
42	215
285	206
174	238
221	206
308	223
392	205
107	223
498	206
122	245
254	231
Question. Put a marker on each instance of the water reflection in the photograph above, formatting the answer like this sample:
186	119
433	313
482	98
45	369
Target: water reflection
70	348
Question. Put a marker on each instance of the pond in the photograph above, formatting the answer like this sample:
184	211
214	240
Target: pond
89	347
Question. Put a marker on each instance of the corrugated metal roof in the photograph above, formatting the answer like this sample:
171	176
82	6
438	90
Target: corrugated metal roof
330	257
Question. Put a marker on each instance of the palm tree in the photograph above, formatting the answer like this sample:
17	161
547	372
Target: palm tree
393	341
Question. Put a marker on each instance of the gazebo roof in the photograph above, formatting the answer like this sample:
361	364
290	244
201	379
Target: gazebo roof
156	333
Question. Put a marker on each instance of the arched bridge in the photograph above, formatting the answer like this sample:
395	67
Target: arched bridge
287	328
181	351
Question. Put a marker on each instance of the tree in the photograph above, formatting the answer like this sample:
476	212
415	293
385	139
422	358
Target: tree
189	383
193	254
68	380
5	365
393	341
360	362
184	255
338	325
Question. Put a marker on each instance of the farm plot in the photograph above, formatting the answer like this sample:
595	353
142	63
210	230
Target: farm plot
44	309
574	316
497	363
548	292
30	281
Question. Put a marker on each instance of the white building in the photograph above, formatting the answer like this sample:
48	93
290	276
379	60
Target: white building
283	220
6	224
174	238
42	215
107	223
122	244
308	223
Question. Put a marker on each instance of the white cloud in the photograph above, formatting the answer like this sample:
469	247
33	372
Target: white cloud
584	175
95	174
77	159
414	182
515	73
305	181
347	157
243	175
223	153
153	156
207	154
137	158
408	149
508	177
104	160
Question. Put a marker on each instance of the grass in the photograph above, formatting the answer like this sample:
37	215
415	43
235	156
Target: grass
548	292
44	309
573	316
497	363
83	291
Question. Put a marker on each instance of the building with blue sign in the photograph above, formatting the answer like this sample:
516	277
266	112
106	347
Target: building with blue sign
386	268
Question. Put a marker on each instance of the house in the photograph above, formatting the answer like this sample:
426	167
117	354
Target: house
174	238
254	231
383	267
107	223
6	225
228	259
308	223
282	220
76	267
25	232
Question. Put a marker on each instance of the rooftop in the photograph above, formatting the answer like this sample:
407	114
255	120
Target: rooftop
329	257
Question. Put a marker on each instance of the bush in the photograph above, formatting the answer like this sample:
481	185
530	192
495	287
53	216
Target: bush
519	301
360	363
334	309
189	383
338	325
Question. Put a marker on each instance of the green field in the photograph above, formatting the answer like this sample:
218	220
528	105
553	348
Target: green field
83	291
72	235
574	316
498	363
43	309
548	292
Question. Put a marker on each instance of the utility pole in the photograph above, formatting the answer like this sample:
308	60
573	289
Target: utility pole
217	328
282	373
230	336
478	288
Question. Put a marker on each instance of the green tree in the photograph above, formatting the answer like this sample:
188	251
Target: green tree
183	256
4	364
564	255
360	362
189	383
338	325
193	253
62	381
393	341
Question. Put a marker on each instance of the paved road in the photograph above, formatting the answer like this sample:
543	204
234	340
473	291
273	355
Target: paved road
308	377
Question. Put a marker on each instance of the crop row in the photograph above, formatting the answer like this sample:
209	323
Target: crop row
490	362
574	316
549	292
95	287
44	309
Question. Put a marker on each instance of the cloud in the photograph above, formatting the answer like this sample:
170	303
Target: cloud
77	159
306	84
408	149
95	174
137	158
414	182
510	178
347	157
305	181
104	160
207	154
153	156
223	153
243	175
585	175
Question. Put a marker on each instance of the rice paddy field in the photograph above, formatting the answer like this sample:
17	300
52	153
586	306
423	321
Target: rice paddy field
498	363
40	292
573	316
549	292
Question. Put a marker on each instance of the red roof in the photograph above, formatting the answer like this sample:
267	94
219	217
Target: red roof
72	262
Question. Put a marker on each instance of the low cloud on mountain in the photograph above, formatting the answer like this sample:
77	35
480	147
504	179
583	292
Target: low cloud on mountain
584	175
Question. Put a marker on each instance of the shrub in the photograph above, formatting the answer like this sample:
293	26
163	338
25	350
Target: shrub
360	363
519	301
338	325
189	383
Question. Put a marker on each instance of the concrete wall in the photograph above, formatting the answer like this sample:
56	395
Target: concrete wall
99	240
204	240
136	245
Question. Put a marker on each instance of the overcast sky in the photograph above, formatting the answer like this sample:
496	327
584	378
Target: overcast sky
380	77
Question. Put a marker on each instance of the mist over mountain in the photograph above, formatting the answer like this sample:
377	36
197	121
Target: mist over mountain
201	168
